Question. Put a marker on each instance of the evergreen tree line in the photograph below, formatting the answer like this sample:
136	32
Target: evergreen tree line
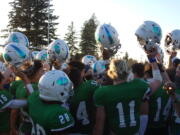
36	20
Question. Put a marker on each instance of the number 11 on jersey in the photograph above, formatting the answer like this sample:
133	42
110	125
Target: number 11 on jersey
122	123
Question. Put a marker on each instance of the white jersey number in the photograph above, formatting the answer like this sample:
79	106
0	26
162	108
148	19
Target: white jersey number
122	123
38	130
3	99
82	113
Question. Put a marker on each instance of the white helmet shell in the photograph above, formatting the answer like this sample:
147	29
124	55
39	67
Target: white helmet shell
99	67
89	60
19	38
149	31
34	54
55	86
58	49
172	40
15	54
107	36
42	55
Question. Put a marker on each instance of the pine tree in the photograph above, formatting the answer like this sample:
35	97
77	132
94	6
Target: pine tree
31	17
71	39
88	42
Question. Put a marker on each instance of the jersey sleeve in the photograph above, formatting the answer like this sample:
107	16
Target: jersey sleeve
13	86
60	121
99	97
5	99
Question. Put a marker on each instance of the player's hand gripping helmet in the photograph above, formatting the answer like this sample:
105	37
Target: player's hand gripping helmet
172	41
55	86
19	38
89	60
107	36
59	50
15	54
42	55
149	33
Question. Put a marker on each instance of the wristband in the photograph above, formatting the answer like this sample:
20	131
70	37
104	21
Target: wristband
152	60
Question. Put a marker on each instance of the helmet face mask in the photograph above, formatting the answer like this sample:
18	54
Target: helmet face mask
172	41
141	41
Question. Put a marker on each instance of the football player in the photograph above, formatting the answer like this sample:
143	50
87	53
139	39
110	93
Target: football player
81	103
45	106
120	103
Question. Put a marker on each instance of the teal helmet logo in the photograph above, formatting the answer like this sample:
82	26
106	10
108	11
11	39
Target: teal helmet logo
57	48
44	57
157	30
62	81
7	57
15	38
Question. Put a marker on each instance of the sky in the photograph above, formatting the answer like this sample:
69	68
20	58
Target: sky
124	15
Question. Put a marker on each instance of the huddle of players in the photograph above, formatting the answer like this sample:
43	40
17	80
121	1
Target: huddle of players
74	102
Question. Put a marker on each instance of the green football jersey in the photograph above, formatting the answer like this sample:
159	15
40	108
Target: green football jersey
21	93
176	120
82	108
122	105
14	85
48	117
159	109
5	98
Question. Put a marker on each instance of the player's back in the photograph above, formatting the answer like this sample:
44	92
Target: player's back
48	118
122	105
82	108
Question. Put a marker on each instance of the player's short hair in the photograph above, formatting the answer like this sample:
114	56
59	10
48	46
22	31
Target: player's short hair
33	69
74	73
118	70
138	68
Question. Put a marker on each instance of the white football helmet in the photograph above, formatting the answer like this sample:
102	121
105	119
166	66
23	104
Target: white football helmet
19	38
107	36
172	40
42	55
34	54
99	67
2	67
89	60
15	54
55	86
149	33
58	49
